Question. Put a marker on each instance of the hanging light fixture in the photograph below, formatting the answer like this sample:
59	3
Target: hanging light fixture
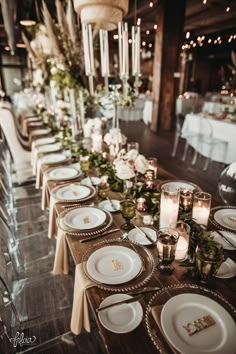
27	14
102	14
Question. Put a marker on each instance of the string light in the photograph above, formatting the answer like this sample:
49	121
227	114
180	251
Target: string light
200	42
150	45
155	27
147	32
151	4
139	21
209	40
130	41
143	43
115	36
227	9
187	35
204	2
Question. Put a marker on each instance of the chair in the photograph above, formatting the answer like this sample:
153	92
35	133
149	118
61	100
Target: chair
206	143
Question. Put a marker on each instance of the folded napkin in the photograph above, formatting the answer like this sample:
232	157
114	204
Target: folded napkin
80	314
52	226
61	263
45	193
156	313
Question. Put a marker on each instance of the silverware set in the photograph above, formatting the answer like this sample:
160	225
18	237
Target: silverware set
226	239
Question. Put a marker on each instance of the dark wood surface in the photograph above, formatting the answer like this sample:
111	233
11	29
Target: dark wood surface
137	341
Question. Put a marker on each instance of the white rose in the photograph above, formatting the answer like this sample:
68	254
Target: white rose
108	138
61	67
141	164
53	70
124	171
132	154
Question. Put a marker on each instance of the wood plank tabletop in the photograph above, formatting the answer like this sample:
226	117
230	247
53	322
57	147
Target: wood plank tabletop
137	341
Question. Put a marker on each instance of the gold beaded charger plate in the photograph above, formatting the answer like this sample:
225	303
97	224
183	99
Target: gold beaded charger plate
224	218
63	173
85	218
115	274
192	319
88	232
179	184
73	192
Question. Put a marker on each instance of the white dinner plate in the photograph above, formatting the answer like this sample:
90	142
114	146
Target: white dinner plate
123	318
41	131
53	158
138	237
227	269
114	265
62	173
85	218
228	235
35	124
222	217
72	192
181	185
107	205
49	148
183	309
43	141
91	181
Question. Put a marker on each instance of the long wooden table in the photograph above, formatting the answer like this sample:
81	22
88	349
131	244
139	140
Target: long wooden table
137	341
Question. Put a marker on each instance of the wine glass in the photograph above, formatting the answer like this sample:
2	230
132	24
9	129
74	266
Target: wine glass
84	164
133	146
127	208
167	239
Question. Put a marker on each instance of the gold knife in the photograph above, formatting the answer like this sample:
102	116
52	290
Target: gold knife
87	239
145	234
127	301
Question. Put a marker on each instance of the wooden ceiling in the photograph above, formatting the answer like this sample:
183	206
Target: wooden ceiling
200	19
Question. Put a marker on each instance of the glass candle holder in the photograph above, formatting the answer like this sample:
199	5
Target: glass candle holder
141	204
209	256
152	165
169	206
147	220
183	242
103	190
167	239
127	208
186	199
84	164
133	146
201	208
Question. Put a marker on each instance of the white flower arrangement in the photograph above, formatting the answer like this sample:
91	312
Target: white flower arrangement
126	164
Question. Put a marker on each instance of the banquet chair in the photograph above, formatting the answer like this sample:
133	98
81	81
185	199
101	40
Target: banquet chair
206	143
188	136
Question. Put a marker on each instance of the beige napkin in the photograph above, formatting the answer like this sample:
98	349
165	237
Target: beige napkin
45	193
52	226
39	175
61	263
156	313
80	314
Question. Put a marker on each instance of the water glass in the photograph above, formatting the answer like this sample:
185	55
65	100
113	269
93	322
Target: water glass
209	256
133	146
167	239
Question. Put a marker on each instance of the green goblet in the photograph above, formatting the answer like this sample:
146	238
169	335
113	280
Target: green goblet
127	208
103	190
84	164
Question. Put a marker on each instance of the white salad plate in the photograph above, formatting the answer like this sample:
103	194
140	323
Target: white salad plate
137	236
183	309
223	218
112	206
227	269
228	235
53	158
123	318
91	181
114	265
49	148
85	218
63	173
73	192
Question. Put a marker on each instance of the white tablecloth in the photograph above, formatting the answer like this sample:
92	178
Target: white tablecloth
216	107
221	130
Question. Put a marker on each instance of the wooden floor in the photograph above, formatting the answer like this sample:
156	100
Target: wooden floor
51	297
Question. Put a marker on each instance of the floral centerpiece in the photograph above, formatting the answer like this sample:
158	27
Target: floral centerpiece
114	139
